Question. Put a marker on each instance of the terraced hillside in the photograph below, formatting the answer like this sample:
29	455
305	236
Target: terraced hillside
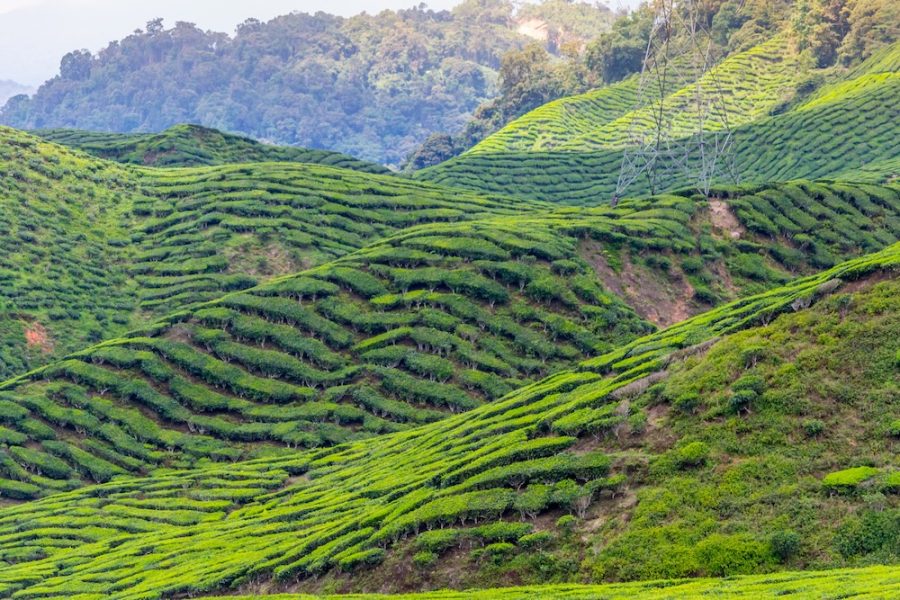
208	231
602	119
848	129
192	146
64	222
92	248
130	244
437	319
684	439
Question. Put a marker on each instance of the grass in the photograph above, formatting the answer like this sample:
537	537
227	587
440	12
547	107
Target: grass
283	519
870	582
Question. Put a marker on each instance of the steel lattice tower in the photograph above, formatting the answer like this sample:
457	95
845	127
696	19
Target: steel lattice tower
684	137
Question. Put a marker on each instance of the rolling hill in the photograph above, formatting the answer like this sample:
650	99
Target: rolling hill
230	369
93	248
194	146
788	124
686	440
435	319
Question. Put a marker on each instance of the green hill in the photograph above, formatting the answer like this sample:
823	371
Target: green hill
677	454
191	146
437	319
566	151
117	246
64	221
93	248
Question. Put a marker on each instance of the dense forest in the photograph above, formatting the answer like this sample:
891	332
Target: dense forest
374	86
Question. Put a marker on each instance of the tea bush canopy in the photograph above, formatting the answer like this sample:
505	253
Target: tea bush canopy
358	505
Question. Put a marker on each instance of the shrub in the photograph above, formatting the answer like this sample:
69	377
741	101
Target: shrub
687	402
722	555
566	523
894	429
704	295
18	490
813	427
785	544
751	383
891	483
694	454
873	532
741	400
536	540
424	559
848	480
501	531
438	540
496	552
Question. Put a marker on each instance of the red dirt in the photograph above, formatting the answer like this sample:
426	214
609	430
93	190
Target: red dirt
37	337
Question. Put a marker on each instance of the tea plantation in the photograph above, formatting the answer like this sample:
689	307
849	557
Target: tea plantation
602	119
846	128
436	320
686	436
235	370
193	145
91	248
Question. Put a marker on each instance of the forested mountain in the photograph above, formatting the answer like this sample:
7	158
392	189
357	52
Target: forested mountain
373	86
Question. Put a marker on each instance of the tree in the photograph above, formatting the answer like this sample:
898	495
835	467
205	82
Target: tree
620	52
76	66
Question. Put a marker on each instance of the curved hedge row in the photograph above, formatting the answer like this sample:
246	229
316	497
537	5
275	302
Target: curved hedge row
300	515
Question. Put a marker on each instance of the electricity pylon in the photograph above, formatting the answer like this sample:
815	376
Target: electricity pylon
679	133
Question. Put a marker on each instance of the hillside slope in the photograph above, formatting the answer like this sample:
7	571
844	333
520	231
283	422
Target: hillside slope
564	153
93	248
715	485
436	319
194	146
155	240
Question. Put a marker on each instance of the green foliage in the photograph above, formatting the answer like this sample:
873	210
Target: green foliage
848	480
870	533
305	512
694	454
723	555
569	150
372	86
785	544
194	146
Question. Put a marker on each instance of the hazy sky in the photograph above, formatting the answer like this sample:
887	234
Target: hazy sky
35	34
